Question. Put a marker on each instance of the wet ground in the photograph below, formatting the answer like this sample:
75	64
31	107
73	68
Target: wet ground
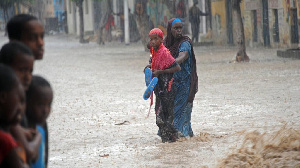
99	119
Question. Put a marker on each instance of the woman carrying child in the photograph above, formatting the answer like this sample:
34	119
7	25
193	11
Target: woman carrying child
186	79
163	65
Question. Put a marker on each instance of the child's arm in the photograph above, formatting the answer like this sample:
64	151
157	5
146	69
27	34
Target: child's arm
13	160
32	147
170	70
147	66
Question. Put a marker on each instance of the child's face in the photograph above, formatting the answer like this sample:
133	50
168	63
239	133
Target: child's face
33	37
13	103
40	104
155	41
23	66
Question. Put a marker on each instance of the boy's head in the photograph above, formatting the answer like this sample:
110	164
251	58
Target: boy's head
156	37
12	97
20	58
39	99
29	30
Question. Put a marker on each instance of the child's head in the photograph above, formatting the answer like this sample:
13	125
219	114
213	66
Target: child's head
39	99
29	30
20	58
156	37
12	97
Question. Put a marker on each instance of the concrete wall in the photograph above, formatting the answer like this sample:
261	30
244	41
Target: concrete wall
88	16
248	6
218	11
73	16
284	21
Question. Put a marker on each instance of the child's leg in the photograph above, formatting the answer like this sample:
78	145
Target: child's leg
170	101
162	128
167	115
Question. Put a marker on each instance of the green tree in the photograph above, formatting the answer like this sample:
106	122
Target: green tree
240	35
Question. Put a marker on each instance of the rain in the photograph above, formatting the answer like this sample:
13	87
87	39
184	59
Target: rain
245	114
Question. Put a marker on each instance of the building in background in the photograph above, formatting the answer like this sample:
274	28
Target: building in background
49	12
270	23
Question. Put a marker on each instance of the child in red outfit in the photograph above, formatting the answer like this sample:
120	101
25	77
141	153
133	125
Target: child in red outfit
163	65
12	100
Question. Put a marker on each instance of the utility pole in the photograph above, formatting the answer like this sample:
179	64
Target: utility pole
126	23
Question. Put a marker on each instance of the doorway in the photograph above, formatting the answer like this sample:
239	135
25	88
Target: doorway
294	26
229	21
266	31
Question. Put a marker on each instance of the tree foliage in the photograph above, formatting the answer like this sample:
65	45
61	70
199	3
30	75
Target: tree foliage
4	4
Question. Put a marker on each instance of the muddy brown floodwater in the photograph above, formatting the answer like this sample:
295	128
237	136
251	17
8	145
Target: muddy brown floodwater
244	115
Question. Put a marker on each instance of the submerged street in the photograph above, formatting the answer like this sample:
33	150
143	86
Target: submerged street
98	116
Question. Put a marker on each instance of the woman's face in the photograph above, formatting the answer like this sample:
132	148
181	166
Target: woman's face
176	30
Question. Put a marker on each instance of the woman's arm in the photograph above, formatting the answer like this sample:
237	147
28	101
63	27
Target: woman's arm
32	147
170	70
182	57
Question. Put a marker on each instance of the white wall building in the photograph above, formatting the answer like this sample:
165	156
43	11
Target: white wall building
73	16
91	14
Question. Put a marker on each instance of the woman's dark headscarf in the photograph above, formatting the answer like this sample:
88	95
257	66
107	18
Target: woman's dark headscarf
173	45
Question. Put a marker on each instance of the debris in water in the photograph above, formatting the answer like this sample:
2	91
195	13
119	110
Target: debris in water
105	155
123	123
278	149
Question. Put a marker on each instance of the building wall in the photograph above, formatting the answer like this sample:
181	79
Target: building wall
218	11
59	9
71	19
88	16
73	16
49	9
283	9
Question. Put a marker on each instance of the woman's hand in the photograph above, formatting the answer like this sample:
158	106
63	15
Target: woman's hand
30	133
156	73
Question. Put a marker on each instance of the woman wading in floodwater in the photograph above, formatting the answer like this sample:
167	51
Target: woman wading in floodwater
186	79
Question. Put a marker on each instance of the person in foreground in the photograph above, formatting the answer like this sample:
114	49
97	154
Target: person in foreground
29	30
186	79
19	57
163	66
12	98
39	99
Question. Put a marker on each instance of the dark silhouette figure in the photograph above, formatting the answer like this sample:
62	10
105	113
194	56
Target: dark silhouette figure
194	18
